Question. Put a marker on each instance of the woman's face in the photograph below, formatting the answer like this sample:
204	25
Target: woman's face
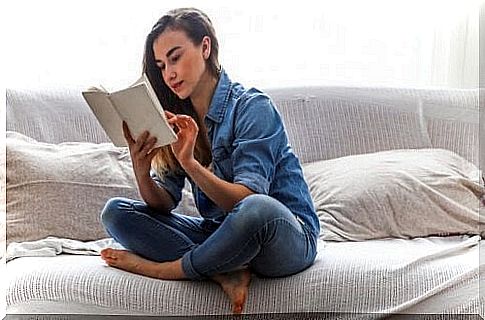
181	62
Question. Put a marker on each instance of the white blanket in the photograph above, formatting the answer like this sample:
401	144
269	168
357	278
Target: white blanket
52	246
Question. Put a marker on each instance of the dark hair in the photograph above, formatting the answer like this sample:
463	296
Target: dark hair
196	25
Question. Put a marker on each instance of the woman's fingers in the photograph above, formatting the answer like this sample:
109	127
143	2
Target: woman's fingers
187	121
148	146
141	140
169	114
127	134
144	143
142	146
182	121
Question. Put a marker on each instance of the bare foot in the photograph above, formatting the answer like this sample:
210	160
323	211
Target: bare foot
236	286
128	261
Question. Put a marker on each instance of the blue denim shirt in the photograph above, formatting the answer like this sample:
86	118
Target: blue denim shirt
250	147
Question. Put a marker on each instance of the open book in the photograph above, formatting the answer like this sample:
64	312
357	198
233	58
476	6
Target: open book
137	105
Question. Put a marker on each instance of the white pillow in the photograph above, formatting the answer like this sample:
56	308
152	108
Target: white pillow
60	189
398	193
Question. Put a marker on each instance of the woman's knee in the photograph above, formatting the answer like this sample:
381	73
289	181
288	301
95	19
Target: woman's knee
114	210
259	209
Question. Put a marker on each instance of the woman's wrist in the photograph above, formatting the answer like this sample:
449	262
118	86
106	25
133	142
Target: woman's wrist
189	165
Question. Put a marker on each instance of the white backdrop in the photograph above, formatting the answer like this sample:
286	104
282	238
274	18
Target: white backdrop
263	43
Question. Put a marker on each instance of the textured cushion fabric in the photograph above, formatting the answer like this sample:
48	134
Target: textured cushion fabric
329	122
461	137
323	122
397	193
425	275
52	115
60	190
452	119
329	128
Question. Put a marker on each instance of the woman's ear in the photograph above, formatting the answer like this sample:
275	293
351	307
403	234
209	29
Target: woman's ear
206	47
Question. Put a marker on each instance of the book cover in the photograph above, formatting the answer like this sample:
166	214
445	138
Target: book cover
137	105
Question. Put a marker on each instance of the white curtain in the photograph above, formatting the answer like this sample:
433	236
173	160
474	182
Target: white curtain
414	43
454	51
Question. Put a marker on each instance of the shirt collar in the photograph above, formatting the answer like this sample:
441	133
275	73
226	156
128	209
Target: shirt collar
220	98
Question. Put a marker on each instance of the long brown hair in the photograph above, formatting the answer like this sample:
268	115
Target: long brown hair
196	25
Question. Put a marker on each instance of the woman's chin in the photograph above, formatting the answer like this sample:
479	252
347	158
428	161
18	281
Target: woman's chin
181	94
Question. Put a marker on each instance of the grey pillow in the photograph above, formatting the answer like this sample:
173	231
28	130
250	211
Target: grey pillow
60	189
398	193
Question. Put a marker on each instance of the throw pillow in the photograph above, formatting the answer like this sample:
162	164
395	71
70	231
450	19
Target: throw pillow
60	189
397	193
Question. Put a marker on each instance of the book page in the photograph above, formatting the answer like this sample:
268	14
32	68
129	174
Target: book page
142	113
107	116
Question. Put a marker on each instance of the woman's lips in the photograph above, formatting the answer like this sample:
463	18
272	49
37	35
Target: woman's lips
176	87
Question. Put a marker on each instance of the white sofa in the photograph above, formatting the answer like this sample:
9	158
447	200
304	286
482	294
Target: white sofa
409	272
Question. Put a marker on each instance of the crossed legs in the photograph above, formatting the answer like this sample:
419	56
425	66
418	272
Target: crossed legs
174	247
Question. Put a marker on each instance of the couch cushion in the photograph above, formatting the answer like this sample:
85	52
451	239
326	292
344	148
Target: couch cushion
325	124
428	275
52	115
397	193
330	122
60	190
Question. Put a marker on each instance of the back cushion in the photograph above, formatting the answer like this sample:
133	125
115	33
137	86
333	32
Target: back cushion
453	121
60	189
52	115
322	122
324	125
330	122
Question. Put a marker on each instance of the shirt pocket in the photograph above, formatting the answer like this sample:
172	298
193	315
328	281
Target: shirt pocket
222	163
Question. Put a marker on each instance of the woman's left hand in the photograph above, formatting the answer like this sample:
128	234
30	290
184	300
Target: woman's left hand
183	148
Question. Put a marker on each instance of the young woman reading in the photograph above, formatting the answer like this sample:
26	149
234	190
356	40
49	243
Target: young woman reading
256	212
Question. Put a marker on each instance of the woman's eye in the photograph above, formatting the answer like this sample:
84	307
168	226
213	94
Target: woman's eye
175	58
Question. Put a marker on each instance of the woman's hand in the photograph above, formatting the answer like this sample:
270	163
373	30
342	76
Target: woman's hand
183	148
141	151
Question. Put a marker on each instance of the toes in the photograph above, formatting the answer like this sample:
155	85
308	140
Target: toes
239	303
112	253
237	309
110	256
109	259
108	252
110	263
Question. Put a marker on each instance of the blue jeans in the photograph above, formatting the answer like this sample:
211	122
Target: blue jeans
260	233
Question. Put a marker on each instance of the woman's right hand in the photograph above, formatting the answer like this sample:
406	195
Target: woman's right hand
141	151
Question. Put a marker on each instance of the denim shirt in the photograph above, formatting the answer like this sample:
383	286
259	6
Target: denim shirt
250	147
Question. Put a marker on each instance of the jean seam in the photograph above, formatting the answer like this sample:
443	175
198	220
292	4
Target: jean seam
245	244
188	268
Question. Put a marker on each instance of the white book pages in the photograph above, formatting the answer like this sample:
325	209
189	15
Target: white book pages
138	106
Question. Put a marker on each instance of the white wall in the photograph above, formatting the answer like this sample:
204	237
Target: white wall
263	43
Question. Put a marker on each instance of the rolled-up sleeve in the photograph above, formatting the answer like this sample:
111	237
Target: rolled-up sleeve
259	135
172	182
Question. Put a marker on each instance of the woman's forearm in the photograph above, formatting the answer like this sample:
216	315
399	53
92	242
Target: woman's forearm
154	196
225	194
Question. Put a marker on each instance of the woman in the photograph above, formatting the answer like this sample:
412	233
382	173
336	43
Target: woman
257	214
